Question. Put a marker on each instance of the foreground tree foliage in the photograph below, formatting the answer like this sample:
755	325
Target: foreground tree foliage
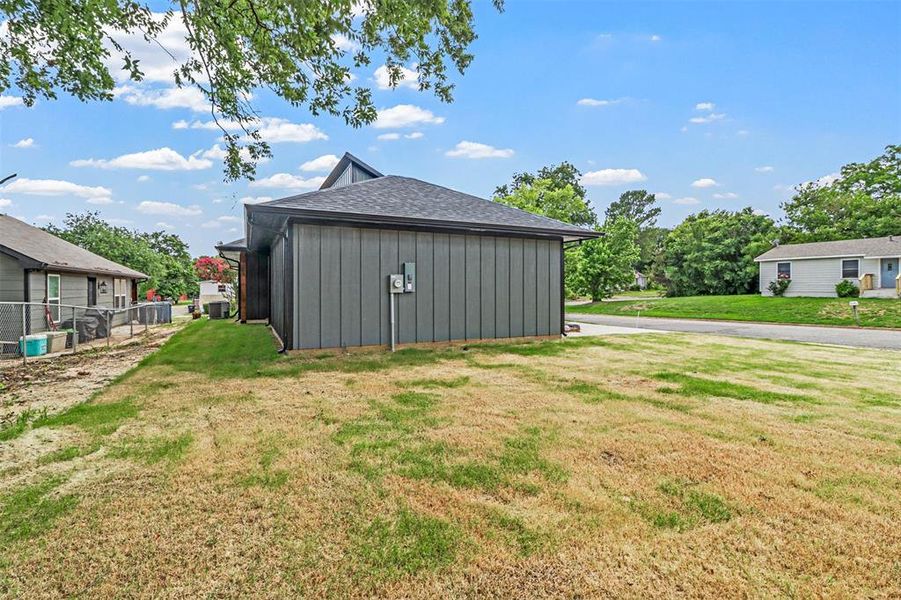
163	257
303	51
865	201
712	252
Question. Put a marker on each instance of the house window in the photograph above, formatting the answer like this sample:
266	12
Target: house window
850	269
119	292
53	296
784	270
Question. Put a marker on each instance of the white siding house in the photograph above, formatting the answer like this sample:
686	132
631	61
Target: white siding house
815	268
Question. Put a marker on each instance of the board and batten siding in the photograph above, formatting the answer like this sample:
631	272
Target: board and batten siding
811	277
277	317
468	287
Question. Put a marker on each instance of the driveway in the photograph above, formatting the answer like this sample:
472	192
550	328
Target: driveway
844	336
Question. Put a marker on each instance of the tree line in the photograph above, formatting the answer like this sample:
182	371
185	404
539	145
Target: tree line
712	251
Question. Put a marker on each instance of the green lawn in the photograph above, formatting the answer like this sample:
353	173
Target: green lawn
596	467
874	312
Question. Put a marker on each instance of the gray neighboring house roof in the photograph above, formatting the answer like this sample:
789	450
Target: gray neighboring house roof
889	246
403	200
46	251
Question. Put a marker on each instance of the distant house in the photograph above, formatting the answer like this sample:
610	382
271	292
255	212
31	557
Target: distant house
215	291
641	281
815	268
39	267
318	265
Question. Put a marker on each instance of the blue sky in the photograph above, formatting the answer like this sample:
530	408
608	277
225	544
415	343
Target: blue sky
720	105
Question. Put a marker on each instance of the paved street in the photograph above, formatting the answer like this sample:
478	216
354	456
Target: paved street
864	338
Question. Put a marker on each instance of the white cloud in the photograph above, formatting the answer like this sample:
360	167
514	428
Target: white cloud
218	200
710	118
119	221
408	78
760	213
656	38
164	98
164	225
414	135
275	130
686	201
476	150
326	162
7	101
143	178
764	169
100	200
287	181
229	219
159	58
705	106
827	180
662	195
612	177
211	225
342	42
5	202
210	125
704	182
169	209
596	102
255	199
388	137
405	115
742	132
161	159
45	218
726	196
55	187
24	143
217	152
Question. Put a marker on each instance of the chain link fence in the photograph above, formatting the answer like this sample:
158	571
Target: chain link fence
31	329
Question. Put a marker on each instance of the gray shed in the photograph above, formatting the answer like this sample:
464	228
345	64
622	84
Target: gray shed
472	269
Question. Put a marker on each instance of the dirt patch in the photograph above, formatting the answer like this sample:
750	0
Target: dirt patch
55	384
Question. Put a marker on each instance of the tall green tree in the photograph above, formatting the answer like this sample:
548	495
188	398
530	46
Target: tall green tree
640	207
163	257
558	176
605	263
864	201
713	252
302	51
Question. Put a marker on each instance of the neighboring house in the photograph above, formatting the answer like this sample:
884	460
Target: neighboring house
214	291
36	266
641	282
815	268
317	265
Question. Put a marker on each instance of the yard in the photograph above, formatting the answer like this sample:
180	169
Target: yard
631	466
874	312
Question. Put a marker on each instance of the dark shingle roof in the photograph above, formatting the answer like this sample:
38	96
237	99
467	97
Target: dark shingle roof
47	249
866	247
412	201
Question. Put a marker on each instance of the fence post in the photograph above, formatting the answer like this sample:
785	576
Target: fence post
109	331
24	334
131	324
74	330
146	319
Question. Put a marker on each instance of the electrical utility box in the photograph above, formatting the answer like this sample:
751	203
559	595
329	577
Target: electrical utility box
395	284
409	277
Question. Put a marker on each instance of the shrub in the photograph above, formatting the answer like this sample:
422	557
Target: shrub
846	289
778	287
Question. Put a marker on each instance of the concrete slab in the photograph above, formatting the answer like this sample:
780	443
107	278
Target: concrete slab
592	329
